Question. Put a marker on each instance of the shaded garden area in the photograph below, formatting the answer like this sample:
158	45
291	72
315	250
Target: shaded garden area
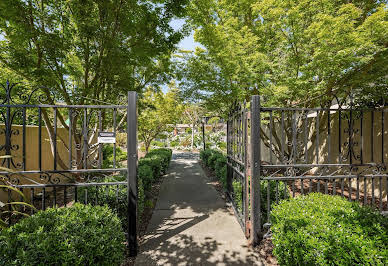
284	103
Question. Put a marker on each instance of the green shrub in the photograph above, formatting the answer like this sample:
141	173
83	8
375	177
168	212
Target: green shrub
211	161
272	192
158	143
151	167
222	145
174	143
321	229
154	162
146	174
141	197
219	164
108	156
204	155
223	173
162	155
115	197
237	190
78	235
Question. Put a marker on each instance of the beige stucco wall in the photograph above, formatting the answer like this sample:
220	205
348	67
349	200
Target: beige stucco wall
32	153
32	147
380	152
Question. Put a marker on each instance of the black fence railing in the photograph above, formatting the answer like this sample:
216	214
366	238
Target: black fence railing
278	153
237	150
53	154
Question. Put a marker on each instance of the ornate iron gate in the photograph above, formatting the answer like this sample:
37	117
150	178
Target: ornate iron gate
237	164
55	158
277	152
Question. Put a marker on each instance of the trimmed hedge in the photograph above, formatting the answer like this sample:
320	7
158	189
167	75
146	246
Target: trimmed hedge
115	197
78	235
151	167
216	161
107	153
320	229
82	234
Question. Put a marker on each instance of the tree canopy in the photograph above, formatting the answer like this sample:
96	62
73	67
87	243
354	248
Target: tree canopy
287	51
89	48
159	112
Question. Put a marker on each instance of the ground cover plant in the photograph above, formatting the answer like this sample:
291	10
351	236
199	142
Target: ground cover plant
320	229
78	235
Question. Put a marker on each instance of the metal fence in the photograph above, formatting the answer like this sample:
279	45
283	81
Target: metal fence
70	166
237	176
277	152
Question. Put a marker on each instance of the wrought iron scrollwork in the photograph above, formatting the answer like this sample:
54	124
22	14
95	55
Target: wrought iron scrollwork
12	95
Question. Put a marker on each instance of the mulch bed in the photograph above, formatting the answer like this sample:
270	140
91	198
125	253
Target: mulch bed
151	196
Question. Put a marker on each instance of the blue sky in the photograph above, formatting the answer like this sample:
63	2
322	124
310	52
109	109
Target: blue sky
188	42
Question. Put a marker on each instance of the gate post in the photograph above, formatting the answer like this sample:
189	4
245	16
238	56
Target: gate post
132	171
203	134
255	170
229	171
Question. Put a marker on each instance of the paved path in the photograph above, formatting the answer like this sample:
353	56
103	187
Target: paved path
191	224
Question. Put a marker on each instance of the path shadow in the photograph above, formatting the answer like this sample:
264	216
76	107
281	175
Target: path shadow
187	223
168	228
186	187
185	250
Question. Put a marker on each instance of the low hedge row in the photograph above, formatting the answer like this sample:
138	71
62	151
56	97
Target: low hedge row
216	161
107	153
82	234
320	229
151	167
78	235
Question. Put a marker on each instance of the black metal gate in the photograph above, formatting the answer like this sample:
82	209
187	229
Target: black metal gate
55	156
237	164
280	152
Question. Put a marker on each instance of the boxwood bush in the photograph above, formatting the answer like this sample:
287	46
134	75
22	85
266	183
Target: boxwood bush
78	235
154	163
216	161
161	154
320	229
115	197
107	153
149	168
204	155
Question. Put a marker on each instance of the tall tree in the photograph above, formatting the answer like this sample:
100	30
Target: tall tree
88	48
81	51
291	52
286	50
160	111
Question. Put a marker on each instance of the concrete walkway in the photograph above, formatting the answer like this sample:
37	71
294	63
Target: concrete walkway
191	224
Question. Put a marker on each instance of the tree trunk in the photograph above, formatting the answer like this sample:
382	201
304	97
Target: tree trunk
147	145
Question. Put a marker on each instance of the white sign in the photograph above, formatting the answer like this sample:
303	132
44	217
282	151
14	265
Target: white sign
106	137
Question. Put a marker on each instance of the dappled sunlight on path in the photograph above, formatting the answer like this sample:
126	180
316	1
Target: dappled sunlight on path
191	224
